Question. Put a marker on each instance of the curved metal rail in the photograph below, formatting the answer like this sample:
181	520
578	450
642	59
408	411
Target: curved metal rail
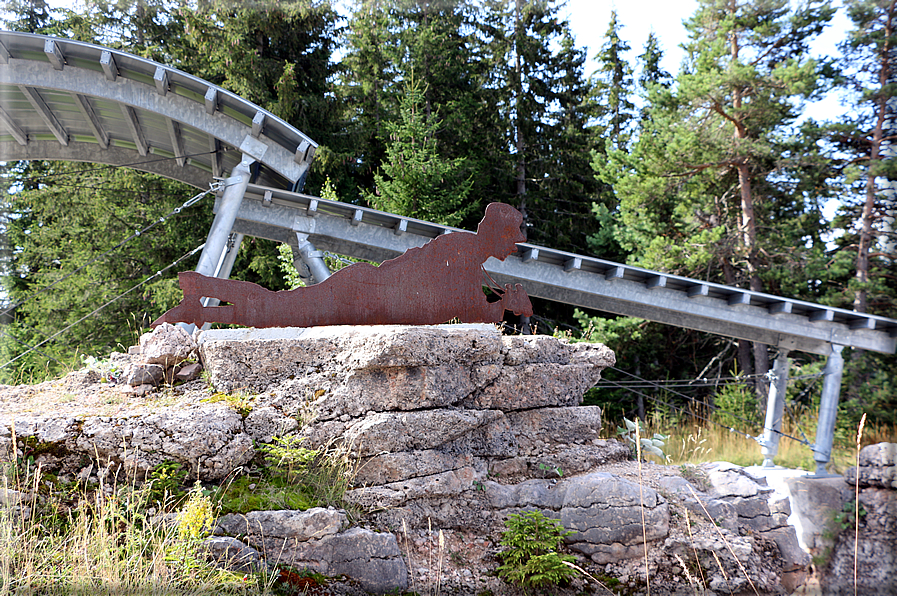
74	101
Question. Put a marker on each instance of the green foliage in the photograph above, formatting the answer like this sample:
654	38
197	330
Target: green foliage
269	492
735	403
869	385
293	477
104	368
166	482
287	455
635	433
847	517
66	215
414	179
290	275
531	559
553	469
78	540
242	403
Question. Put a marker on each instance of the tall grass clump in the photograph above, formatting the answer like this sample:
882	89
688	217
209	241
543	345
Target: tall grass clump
73	540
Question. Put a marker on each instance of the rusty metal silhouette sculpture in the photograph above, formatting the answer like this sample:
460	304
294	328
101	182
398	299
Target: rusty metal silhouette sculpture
436	283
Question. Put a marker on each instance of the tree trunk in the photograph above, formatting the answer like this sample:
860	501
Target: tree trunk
861	298
525	322
518	128
743	355
749	230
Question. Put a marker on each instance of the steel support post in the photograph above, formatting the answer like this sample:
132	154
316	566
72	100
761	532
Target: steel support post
775	406
222	270
828	409
226	263
314	259
224	219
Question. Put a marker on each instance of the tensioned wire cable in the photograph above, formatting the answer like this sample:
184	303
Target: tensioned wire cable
190	202
703	382
29	346
95	311
689	398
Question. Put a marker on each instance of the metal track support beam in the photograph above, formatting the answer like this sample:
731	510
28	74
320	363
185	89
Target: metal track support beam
828	409
224	219
222	271
313	258
775	407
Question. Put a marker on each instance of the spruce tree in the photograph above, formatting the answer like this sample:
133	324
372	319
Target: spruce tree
414	179
613	86
546	113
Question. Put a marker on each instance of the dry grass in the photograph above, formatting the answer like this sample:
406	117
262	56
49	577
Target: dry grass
694	441
104	541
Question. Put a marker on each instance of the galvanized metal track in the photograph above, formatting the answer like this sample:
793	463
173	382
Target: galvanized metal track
580	280
67	100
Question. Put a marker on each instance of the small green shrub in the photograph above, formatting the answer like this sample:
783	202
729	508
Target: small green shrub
532	560
166	481
293	478
652	445
846	518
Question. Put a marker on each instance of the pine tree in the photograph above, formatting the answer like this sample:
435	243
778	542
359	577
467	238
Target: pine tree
706	175
868	141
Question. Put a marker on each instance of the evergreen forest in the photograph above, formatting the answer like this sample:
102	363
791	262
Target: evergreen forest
432	109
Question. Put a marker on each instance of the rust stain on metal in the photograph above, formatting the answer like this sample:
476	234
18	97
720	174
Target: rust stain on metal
433	284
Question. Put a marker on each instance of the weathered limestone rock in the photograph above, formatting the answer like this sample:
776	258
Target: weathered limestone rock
229	553
816	500
749	497
209	439
700	503
166	345
454	427
188	373
315	540
144	374
612	518
876	558
605	512
843	542
878	467
315	523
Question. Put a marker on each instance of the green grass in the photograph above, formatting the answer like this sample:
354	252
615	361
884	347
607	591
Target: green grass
73	538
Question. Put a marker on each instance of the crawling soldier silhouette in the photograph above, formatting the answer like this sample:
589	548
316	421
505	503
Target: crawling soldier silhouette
433	284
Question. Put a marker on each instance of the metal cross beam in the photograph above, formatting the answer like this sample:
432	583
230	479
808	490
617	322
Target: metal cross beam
575	279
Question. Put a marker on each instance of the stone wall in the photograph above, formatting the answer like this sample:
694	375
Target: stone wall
451	427
845	549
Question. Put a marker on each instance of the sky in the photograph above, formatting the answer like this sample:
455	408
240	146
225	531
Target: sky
589	20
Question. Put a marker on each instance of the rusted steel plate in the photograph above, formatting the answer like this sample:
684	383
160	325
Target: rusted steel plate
436	283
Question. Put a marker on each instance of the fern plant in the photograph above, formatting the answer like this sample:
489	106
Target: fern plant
531	559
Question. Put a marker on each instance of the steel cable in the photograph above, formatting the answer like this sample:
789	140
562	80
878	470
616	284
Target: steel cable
95	311
213	188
